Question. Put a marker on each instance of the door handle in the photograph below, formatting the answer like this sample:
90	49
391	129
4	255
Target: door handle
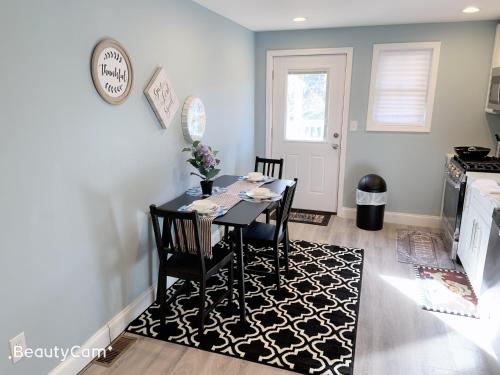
335	146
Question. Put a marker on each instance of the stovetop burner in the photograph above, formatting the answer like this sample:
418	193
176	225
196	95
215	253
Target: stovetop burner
487	164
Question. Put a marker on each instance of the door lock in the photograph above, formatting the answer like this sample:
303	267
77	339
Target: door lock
336	135
335	146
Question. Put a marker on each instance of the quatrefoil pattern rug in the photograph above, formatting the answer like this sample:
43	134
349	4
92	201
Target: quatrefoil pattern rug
309	327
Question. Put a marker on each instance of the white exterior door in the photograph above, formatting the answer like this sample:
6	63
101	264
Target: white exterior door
307	109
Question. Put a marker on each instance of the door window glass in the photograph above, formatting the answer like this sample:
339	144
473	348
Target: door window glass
306	106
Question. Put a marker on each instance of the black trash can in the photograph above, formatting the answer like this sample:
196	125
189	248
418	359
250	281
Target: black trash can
371	198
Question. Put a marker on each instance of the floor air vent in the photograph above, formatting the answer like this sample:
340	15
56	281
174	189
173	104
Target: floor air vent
118	347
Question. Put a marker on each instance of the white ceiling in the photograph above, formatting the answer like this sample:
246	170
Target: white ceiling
260	15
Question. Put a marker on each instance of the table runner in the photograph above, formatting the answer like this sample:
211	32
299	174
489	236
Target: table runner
228	199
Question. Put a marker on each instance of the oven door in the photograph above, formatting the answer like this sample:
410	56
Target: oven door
452	213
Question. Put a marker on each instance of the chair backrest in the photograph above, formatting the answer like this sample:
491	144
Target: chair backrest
179	234
269	166
284	208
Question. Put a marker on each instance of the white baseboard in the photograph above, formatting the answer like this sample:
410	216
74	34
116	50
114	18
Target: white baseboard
121	321
114	328
398	218
73	365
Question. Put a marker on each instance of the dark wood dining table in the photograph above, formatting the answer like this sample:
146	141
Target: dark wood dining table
239	216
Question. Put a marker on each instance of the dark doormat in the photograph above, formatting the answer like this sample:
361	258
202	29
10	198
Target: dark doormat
308	217
446	291
309	327
423	248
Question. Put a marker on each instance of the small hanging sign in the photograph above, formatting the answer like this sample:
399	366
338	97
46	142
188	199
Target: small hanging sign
162	98
111	71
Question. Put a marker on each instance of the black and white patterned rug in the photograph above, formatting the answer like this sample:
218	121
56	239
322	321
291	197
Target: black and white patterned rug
309	327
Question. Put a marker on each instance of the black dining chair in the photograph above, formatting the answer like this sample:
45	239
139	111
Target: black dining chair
269	167
181	255
268	235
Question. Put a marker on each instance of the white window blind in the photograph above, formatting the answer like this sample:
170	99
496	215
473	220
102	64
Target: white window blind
402	88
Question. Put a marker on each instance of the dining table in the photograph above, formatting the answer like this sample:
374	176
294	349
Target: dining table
238	217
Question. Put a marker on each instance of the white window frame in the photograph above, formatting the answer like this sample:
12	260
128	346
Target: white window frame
372	125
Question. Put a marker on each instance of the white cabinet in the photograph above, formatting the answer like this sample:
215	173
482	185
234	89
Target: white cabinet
474	235
466	235
476	252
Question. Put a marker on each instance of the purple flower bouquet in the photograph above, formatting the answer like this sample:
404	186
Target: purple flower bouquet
204	159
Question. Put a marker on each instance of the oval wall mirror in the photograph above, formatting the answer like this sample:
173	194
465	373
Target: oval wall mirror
193	119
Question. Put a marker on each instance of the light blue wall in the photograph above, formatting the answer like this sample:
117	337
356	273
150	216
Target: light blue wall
78	174
412	164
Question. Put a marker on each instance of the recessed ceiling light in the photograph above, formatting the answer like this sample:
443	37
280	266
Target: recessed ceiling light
470	9
299	19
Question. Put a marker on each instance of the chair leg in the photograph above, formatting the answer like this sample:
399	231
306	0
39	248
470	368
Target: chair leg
277	265
246	252
189	288
230	276
286	249
230	241
161	287
241	273
161	293
202	306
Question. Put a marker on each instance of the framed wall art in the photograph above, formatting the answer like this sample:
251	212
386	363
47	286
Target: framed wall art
162	98
112	71
193	119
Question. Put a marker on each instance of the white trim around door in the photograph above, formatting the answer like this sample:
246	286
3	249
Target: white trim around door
348	52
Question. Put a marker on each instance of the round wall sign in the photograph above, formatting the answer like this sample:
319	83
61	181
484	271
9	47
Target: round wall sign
193	119
111	71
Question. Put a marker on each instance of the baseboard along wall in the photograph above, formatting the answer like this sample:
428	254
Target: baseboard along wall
110	331
398	218
114	328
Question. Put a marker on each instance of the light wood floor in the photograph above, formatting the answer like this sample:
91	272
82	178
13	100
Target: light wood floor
395	336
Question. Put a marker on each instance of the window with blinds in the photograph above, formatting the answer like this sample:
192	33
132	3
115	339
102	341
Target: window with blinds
402	87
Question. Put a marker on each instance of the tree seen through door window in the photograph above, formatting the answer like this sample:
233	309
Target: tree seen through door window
306	106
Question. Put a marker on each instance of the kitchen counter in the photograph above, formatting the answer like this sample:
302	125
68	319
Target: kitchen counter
488	185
